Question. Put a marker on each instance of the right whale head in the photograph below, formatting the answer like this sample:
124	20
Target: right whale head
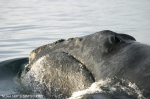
104	54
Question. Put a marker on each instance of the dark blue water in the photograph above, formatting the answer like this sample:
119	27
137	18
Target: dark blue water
27	24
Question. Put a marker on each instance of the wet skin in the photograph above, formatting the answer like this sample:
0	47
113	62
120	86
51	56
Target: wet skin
11	67
104	54
8	71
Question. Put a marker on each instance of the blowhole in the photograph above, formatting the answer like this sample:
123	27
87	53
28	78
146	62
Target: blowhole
117	40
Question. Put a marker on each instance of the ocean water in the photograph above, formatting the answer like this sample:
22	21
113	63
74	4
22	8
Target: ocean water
28	24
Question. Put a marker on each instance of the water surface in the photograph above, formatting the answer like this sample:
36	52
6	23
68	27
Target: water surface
27	24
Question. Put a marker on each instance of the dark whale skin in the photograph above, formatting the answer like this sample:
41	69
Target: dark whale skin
10	68
105	54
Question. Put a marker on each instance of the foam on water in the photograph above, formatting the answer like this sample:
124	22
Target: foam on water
34	83
110	89
55	82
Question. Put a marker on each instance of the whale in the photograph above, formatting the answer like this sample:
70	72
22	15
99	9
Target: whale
8	71
66	66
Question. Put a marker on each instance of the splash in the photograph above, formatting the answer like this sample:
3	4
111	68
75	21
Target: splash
53	80
49	78
110	89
